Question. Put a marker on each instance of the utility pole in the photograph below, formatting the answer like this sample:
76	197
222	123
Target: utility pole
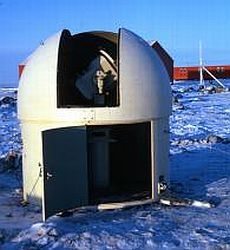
203	68
201	64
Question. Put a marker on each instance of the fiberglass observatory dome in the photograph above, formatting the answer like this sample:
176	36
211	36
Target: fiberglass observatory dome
94	111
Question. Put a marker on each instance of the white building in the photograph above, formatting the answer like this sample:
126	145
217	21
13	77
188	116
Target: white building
94	111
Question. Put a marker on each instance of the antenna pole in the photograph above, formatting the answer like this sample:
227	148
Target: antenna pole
201	64
203	68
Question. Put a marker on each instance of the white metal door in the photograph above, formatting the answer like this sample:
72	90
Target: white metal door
65	169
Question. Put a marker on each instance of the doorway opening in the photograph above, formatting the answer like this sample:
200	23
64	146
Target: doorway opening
90	165
119	162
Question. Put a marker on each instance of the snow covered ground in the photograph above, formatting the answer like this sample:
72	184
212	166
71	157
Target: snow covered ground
200	170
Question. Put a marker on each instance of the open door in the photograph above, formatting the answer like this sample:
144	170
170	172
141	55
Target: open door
65	169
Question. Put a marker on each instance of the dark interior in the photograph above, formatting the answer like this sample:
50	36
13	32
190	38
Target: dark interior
125	157
74	56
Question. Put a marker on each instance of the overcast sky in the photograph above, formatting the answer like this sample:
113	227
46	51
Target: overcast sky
177	24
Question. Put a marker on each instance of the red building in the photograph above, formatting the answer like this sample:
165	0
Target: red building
21	66
20	69
193	73
165	57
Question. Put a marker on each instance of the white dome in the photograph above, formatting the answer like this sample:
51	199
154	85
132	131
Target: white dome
144	85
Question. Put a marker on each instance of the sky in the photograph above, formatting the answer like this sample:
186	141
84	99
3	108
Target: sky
177	24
